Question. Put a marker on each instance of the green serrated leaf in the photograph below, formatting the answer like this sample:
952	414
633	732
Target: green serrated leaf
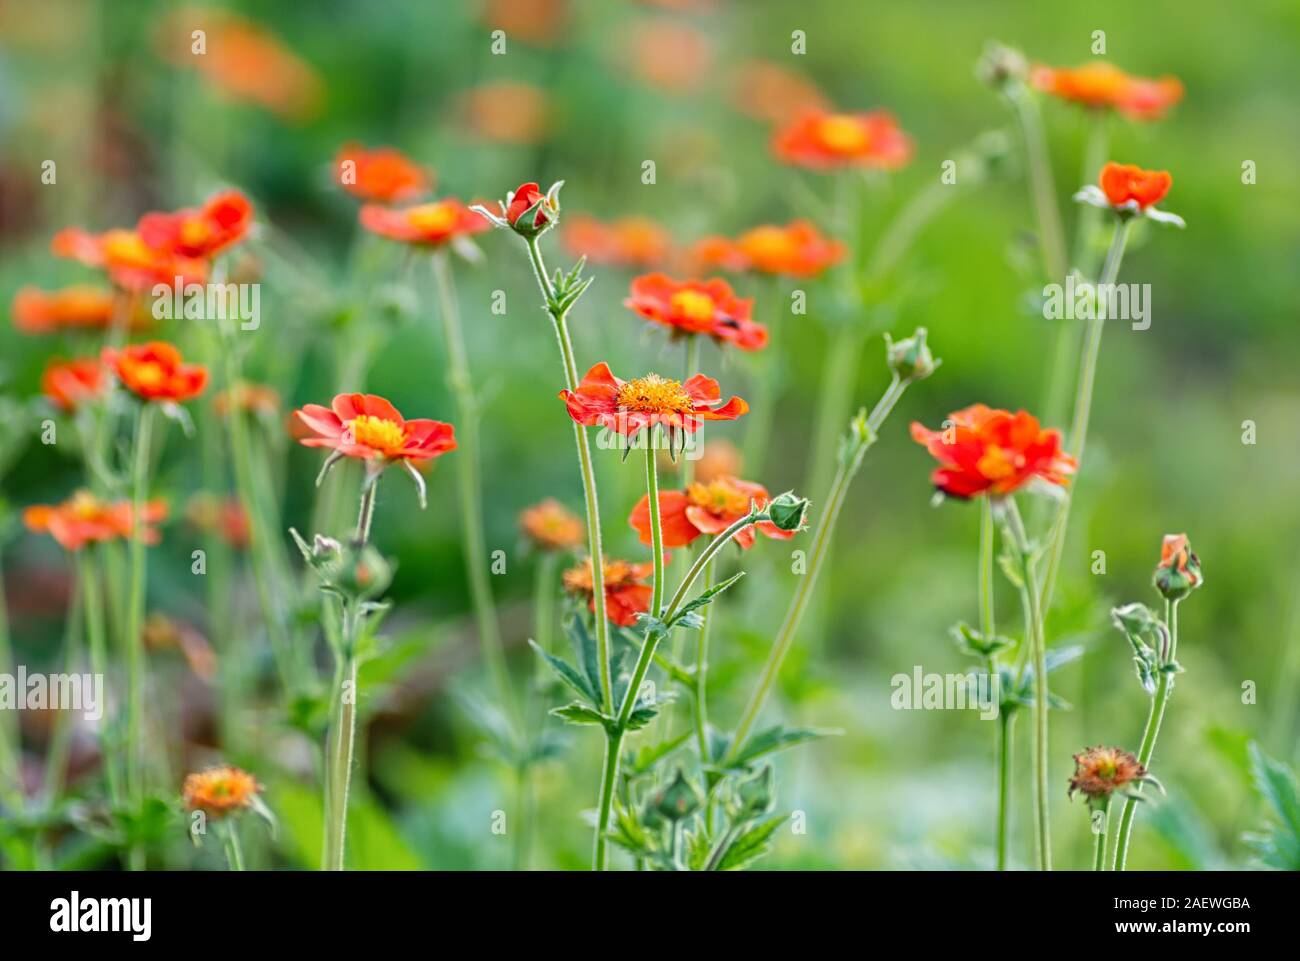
705	597
568	674
775	739
579	713
751	845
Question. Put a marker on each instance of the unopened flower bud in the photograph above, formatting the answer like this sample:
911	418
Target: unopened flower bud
678	800
1000	66
910	358
754	795
365	573
1179	570
787	511
529	212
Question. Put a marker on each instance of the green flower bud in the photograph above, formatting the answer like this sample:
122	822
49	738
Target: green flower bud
1179	570
787	511
678	800
910	358
754	795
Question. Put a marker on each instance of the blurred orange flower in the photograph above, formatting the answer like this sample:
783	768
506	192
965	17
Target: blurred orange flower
85	519
220	791
1100	84
223	221
224	516
825	141
504	112
243	60
129	261
162	633
37	311
626	593
697	307
629	242
798	249
538	22
155	371
381	174
705	508
626	407
720	458
986	451
1122	183
368	427
428	225
669	56
69	384
551	526
768	91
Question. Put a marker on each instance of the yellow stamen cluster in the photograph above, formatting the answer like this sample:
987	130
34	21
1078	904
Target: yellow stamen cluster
719	497
219	791
385	436
433	217
578	580
653	394
843	134
693	305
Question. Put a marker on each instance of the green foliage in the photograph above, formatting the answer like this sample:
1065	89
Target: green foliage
1278	845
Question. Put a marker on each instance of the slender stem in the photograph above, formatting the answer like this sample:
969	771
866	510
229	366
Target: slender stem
135	608
1083	405
821	542
987	629
1037	644
1164	686
1051	236
656	528
60	747
366	512
1006	728
92	600
701	674
10	761
608	780
1099	841
560	322
469	486
234	850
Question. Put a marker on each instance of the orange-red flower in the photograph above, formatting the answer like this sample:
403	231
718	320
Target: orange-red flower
528	195
551	526
798	249
705	508
199	233
629	242
986	451
81	307
69	384
1101	84
626	592
429	225
769	91
155	371
1100	771
129	261
381	175
224	516
697	307
602	400
534	21
84	519
370	428
1125	183
504	112
669	56
1179	570
824	141
220	791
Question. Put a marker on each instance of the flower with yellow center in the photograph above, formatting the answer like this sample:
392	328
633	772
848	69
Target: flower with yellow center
653	394
383	436
690	307
550	526
627	407
1100	771
843	134
220	791
694	306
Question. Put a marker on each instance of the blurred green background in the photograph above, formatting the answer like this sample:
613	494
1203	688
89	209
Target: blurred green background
92	86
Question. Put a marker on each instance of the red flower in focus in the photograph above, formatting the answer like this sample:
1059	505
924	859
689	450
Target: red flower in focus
626	593
84	519
199	234
69	384
72	308
1125	183
370	428
427	225
602	400
705	509
630	242
987	451
381	175
129	261
1100	84
697	307
155	371
825	141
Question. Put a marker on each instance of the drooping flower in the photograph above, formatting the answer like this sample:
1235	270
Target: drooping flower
220	791
84	519
154	371
697	307
705	508
798	249
382	175
626	592
428	225
199	233
981	450
1101	84
369	428
826	141
625	407
1100	771
629	242
550	526
72	308
69	384
1179	570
